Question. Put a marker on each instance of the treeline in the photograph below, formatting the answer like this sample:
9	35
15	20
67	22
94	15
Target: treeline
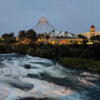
11	38
31	34
60	51
8	38
55	51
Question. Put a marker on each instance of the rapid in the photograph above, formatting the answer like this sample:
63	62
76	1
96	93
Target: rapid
46	79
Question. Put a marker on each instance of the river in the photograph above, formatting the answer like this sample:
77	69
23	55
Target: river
46	79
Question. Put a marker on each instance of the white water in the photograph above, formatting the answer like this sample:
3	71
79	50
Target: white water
15	83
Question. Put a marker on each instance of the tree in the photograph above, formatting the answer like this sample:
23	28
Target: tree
97	37
22	34
82	37
85	40
8	38
31	34
40	35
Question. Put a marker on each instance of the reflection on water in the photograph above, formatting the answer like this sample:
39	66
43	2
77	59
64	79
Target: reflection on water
46	80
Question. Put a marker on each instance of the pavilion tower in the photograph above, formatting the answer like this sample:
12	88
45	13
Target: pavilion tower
92	31
43	26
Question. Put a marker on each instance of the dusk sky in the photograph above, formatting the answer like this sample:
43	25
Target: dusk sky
66	15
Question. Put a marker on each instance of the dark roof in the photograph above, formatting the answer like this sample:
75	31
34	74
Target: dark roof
92	26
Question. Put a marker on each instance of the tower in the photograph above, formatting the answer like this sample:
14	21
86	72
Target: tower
43	26
92	31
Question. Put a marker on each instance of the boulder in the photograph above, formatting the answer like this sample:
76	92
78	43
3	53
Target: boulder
27	66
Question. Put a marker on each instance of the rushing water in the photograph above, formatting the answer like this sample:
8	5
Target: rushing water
46	79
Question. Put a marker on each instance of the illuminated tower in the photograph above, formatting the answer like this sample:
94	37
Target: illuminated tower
92	31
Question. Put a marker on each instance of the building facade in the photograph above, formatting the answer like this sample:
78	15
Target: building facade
91	33
61	41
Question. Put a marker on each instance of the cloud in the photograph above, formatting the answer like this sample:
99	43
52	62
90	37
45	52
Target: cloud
71	15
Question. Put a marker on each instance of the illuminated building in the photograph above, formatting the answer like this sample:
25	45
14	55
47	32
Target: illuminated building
91	33
61	41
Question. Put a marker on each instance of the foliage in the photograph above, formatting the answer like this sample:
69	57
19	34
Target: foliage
22	34
8	38
21	49
78	63
82	37
59	51
31	34
97	37
6	48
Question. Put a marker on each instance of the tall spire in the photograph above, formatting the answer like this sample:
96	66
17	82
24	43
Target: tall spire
43	20
43	26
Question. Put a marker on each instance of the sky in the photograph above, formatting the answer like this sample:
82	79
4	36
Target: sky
66	15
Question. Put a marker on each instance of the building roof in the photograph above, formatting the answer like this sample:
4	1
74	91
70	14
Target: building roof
92	26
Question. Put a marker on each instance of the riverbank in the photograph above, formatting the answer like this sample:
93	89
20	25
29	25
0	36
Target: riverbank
72	56
36	99
79	63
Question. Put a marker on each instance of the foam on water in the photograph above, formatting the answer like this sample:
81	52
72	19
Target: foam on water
15	83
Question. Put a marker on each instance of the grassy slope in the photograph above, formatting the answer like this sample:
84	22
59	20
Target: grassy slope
77	63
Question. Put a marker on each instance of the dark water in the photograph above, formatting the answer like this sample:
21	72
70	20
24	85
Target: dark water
46	80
